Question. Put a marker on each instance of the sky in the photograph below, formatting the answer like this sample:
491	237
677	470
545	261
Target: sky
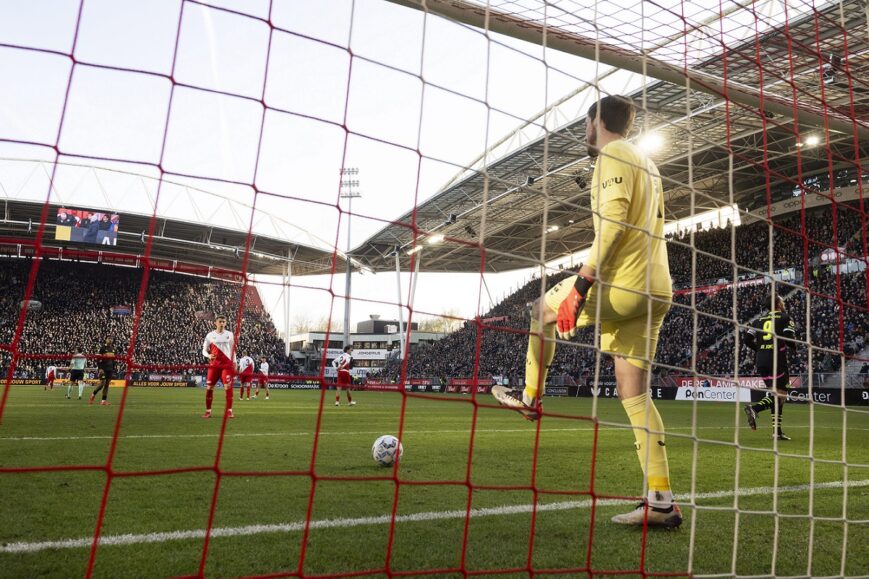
408	98
406	131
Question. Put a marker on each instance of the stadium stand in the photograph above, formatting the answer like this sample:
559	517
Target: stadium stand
752	246
715	337
76	313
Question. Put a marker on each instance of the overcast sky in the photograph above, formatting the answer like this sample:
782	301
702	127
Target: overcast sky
409	99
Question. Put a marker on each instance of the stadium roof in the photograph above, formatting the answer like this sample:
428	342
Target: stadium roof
175	240
507	198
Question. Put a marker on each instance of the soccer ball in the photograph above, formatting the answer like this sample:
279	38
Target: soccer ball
385	450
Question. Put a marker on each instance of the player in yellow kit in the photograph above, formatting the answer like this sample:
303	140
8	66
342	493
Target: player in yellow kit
625	286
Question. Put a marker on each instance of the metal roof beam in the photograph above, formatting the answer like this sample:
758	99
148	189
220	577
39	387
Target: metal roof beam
592	49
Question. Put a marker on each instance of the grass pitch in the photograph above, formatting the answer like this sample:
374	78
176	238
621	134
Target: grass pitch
154	525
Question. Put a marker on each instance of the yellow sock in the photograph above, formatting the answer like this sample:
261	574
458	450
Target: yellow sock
535	376
650	443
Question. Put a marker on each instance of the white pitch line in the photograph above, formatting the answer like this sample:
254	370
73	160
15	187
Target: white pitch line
376	432
131	539
295	433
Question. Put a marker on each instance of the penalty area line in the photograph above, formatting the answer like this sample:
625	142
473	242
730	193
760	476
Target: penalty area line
292	433
625	427
248	530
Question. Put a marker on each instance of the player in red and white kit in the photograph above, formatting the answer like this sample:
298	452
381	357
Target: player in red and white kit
344	363
218	348
50	375
245	375
263	377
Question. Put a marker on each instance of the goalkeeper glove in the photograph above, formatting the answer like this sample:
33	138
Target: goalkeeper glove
571	307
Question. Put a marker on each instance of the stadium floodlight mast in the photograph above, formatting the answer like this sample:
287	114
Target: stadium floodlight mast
349	183
287	275
400	308
414	276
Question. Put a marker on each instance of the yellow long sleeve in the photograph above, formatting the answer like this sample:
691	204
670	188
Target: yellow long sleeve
609	230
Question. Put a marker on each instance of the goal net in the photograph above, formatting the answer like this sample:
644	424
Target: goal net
292	167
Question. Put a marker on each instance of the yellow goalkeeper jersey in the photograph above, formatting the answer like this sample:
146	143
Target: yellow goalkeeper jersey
639	258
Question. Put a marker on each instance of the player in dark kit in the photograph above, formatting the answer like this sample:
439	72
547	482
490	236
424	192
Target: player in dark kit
771	336
106	367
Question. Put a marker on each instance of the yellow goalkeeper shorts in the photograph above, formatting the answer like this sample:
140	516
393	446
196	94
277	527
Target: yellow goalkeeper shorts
629	319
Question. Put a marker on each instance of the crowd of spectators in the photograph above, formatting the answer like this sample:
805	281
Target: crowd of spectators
714	249
700	329
76	313
502	333
699	332
707	327
822	327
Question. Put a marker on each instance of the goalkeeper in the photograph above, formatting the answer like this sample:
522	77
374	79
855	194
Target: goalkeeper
625	285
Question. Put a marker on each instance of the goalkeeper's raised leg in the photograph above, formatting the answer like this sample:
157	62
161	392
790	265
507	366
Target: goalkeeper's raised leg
624	286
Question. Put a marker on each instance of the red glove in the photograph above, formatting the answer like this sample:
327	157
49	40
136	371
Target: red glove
571	307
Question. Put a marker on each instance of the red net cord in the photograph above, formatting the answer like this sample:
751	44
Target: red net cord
767	165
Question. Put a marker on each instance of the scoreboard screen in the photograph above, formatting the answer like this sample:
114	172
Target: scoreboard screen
89	226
